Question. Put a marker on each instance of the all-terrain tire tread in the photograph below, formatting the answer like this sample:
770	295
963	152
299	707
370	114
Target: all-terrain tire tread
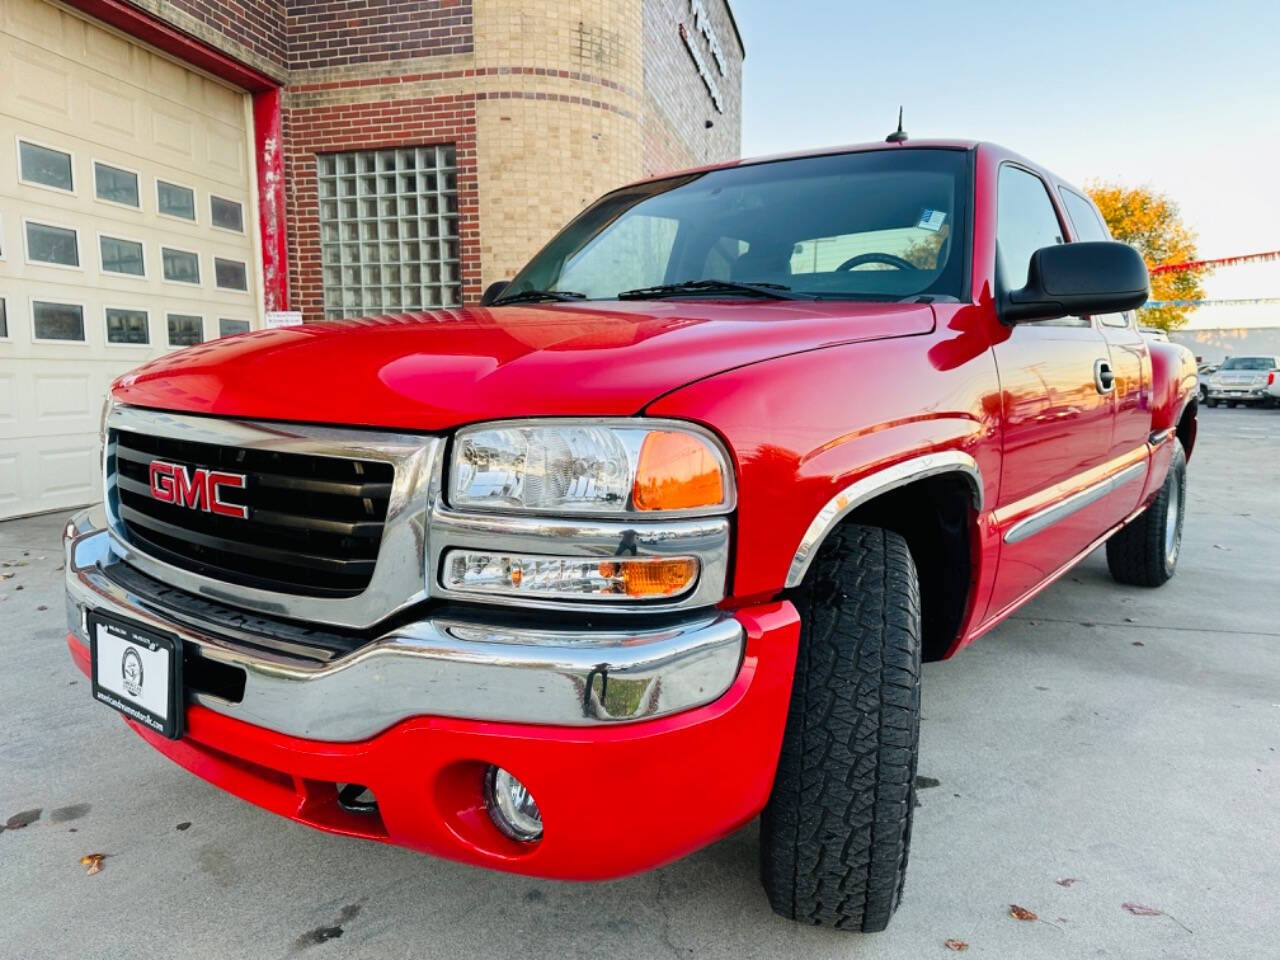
1136	552
835	834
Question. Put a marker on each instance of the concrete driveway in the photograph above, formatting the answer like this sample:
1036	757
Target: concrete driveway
1107	746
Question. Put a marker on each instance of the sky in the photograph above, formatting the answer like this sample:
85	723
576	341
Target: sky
1182	97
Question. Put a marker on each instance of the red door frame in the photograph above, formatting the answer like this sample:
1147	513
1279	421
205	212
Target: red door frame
266	125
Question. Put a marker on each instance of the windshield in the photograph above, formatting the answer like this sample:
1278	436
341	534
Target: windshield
880	225
1249	363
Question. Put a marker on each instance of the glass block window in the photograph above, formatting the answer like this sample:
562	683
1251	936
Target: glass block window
57	321
180	266
226	214
122	256
115	185
185	330
48	244
47	167
230	274
389	230
127	326
228	327
175	201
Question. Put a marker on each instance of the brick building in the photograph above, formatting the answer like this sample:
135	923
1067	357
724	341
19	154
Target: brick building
183	169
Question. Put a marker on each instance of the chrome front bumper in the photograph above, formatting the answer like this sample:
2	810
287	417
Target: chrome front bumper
432	667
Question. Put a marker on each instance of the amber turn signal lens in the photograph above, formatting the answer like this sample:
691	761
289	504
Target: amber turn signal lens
677	471
650	577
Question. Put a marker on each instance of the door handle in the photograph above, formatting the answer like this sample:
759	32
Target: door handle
1104	377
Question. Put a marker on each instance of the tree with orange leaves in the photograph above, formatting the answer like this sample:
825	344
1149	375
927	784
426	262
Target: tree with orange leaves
1151	223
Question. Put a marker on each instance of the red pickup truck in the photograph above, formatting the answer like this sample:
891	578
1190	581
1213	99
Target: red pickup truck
655	539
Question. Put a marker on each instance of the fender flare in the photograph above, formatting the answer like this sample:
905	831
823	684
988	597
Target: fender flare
882	481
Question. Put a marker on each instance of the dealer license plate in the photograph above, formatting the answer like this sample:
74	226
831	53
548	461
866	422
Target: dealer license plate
137	671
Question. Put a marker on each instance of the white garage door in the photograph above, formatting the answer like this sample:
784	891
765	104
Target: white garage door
127	229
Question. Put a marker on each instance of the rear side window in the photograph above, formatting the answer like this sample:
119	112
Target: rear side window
1250	363
1026	222
1084	217
1089	228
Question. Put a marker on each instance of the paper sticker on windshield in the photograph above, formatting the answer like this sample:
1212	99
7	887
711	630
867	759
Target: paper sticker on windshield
932	220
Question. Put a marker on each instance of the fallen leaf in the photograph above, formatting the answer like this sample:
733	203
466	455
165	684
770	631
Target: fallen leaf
92	863
184	825
1065	881
1138	643
1021	913
1130	619
959	946
42	608
6	576
23	819
1140	910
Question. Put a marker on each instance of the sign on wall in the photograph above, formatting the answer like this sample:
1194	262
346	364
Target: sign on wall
702	25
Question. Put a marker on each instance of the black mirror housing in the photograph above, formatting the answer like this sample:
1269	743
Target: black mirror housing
493	291
1079	280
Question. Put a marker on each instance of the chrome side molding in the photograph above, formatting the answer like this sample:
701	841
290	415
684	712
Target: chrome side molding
882	481
1043	519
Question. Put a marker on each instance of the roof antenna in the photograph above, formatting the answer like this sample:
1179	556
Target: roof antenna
899	135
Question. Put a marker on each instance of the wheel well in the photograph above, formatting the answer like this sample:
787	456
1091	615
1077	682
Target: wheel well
935	517
1186	429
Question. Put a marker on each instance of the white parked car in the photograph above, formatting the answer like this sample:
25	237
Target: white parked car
1244	380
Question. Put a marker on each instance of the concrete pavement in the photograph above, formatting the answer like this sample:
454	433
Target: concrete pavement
1119	738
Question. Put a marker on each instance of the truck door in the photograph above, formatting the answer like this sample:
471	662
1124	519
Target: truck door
1057	410
1130	358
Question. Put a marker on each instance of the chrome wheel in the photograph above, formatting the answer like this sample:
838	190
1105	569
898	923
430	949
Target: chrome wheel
1172	516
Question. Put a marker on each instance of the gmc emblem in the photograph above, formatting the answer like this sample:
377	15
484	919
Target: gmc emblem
201	489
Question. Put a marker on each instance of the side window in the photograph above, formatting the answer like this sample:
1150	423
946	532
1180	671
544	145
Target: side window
1026	221
1089	227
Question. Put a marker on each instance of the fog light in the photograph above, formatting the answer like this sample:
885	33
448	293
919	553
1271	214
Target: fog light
511	806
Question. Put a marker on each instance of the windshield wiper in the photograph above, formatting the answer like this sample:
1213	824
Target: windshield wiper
531	296
773	291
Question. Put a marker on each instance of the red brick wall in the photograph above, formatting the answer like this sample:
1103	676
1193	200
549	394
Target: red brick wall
368	126
256	24
331	33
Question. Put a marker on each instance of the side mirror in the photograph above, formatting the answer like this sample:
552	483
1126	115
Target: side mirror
1078	280
493	291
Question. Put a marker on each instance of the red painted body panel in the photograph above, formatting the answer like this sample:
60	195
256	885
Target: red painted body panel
809	397
615	800
437	370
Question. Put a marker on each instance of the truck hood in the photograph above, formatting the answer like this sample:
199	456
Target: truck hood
436	370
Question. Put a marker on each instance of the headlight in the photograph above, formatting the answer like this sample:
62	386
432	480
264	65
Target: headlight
590	467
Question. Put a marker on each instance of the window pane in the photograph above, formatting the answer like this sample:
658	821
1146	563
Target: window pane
1026	222
58	321
52	245
122	256
1083	217
227	328
230	274
4	319
115	185
180	266
175	201
185	330
127	326
42	165
226	214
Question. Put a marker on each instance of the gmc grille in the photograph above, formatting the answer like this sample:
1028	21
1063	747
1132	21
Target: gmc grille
313	528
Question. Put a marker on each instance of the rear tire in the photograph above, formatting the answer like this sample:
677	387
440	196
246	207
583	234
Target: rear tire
1145	553
835	834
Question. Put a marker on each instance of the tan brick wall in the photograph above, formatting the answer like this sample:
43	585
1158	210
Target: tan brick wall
558	116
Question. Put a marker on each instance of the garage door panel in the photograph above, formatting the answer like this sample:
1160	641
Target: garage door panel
108	50
67	473
41	91
11	498
114	111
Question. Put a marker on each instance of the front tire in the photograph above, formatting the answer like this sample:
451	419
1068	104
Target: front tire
835	834
1145	553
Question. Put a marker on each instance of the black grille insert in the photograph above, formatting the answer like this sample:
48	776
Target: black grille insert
314	523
